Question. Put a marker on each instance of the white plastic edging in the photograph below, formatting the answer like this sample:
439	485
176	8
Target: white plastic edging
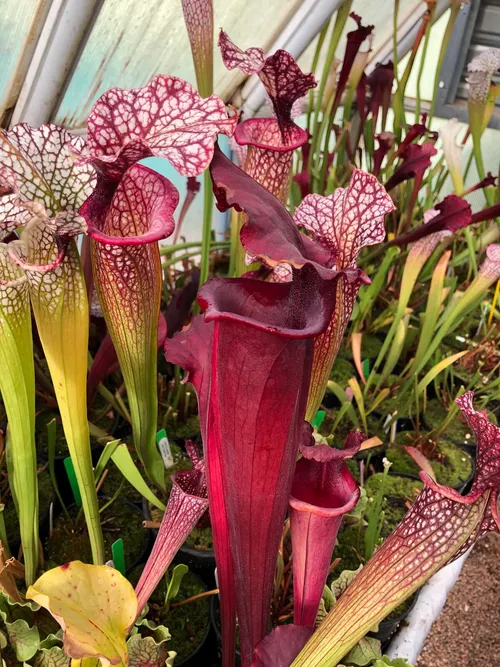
410	638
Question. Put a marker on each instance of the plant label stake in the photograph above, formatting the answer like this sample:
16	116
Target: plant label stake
164	447
318	420
118	556
70	471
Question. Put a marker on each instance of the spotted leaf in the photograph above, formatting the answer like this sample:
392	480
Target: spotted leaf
249	62
269	154
487	436
94	605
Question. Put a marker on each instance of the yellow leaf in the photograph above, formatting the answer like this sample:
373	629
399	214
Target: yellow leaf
94	605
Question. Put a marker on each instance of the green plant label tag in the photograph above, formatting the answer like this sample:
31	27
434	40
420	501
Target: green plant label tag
366	367
318	420
70	471
118	553
164	447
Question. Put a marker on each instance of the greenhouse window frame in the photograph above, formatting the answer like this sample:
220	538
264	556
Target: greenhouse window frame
449	104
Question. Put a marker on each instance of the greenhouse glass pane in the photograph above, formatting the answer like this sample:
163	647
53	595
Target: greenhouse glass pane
132	41
20	24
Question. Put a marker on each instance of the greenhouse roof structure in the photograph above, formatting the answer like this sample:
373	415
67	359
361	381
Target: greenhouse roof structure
58	56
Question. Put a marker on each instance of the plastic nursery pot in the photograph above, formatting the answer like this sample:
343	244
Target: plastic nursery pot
191	621
215	622
200	561
388	627
122	519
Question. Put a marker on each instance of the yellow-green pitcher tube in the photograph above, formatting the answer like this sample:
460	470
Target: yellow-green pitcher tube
60	305
17	387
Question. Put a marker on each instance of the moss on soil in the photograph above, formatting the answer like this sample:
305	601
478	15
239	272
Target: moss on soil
187	624
397	491
185	429
349	545
394	404
200	539
342	371
112	482
45	496
452	465
370	348
374	428
353	466
435	414
71	542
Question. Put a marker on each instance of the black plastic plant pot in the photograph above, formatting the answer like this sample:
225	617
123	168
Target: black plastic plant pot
131	508
204	654
201	562
387	628
215	622
198	561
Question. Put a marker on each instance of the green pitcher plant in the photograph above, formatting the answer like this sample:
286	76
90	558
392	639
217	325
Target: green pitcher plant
45	190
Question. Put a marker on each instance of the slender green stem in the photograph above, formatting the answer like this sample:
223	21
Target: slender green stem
208	207
193	253
315	61
338	28
472	252
3	534
170	249
454	10
394	42
422	65
236	247
478	158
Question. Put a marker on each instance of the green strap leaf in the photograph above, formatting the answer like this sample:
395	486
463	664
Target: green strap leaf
123	460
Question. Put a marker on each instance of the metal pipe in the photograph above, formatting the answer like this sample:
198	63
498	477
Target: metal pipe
62	37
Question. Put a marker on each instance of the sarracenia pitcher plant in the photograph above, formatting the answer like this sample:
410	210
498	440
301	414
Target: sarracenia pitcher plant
130	210
45	190
339	225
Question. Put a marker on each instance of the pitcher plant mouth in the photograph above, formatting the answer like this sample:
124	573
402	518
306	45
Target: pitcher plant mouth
265	133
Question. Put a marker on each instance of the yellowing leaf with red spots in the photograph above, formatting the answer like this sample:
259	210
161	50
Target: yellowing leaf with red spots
94	605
